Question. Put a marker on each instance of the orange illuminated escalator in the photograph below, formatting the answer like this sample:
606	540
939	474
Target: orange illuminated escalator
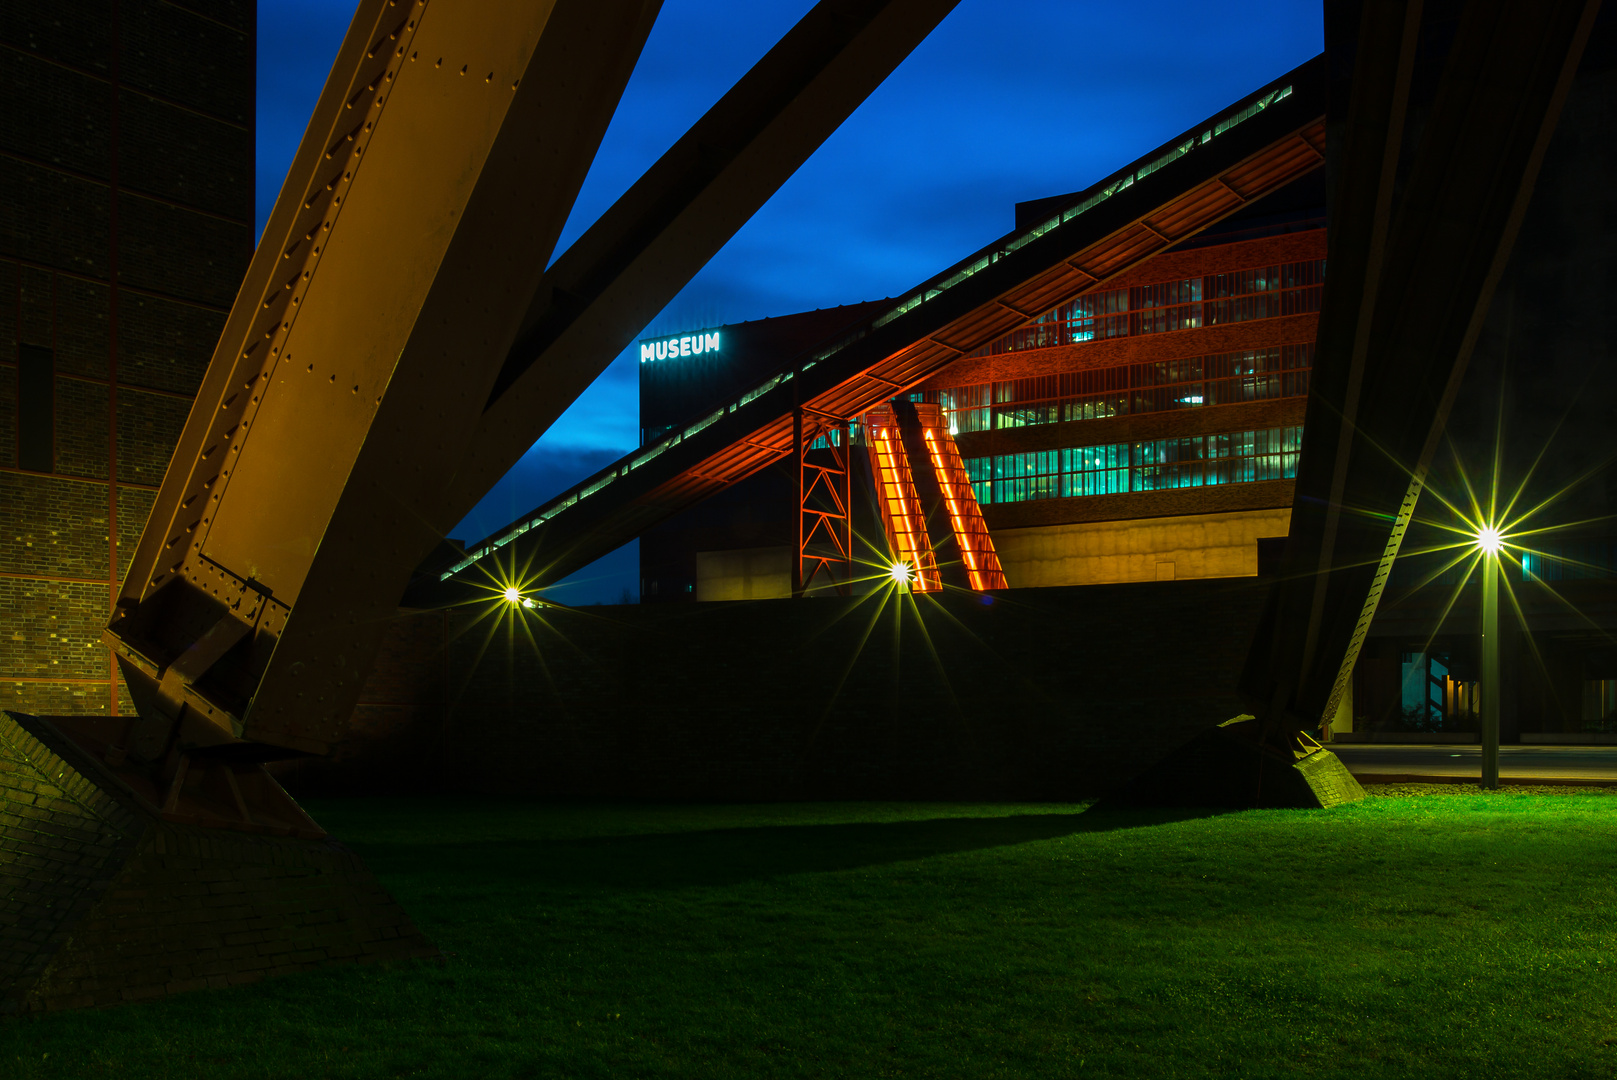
983	571
902	439
901	513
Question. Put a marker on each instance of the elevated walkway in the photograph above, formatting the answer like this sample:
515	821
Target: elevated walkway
1242	154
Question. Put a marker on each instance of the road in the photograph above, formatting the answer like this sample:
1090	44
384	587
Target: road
1562	763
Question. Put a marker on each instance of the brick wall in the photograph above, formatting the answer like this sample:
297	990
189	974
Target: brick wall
103	901
126	200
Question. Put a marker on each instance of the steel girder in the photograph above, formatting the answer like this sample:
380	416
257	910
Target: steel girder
402	265
431	184
1403	308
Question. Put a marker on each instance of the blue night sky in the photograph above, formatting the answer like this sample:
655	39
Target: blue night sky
1008	100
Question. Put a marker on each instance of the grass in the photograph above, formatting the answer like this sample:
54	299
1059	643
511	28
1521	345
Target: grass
1427	931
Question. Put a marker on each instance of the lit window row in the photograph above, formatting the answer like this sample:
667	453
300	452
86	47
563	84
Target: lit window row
1567	560
1260	293
1553	560
1156	465
1220	379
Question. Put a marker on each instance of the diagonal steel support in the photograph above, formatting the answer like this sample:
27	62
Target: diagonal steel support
651	242
397	323
433	180
1401	317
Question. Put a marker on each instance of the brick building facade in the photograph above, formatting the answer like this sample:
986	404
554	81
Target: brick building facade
126	206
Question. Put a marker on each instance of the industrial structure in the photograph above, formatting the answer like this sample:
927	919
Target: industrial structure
1147	430
300	496
1161	355
1101	442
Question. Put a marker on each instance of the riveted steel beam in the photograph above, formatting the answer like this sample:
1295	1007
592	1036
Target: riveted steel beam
408	240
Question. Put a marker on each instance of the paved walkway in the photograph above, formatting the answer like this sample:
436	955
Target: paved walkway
1522	764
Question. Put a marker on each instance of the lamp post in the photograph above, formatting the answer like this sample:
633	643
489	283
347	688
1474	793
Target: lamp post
1488	541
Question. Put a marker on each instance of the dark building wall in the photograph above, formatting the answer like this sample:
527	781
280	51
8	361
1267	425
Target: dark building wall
126	196
757	512
1043	694
1542	390
681	389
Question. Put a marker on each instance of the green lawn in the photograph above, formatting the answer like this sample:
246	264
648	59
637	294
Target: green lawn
1424	932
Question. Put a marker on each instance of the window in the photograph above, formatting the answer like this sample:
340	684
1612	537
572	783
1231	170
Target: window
1096	470
965	408
1220	379
1157	465
1035	475
1266	292
1566	560
1432	699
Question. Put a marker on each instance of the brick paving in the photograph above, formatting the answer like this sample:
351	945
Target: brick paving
102	901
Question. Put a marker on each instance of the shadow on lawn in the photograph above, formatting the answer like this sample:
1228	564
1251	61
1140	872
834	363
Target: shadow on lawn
732	856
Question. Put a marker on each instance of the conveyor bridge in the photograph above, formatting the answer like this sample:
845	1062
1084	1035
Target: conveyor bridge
1255	147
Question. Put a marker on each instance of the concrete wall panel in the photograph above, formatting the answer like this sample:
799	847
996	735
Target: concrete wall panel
1105	552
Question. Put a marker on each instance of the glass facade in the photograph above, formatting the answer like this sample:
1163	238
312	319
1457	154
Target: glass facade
1431	698
1219	379
1568	560
1216	299
1154	465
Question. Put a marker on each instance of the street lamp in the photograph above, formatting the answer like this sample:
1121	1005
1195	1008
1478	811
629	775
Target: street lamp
1489	543
513	596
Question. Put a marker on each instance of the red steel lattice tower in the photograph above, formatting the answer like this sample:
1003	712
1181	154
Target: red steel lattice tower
824	500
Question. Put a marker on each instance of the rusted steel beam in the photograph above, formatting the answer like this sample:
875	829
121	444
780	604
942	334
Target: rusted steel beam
433	180
1401	317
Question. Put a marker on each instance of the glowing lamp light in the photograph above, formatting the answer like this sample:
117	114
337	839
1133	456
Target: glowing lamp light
1489	540
901	573
512	596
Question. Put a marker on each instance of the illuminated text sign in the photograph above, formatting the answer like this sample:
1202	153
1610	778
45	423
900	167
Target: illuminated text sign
675	347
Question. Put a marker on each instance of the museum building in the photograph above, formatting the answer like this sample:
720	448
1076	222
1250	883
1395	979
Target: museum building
1149	430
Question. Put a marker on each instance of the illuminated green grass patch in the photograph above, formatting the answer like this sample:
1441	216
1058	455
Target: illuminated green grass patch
1429	932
